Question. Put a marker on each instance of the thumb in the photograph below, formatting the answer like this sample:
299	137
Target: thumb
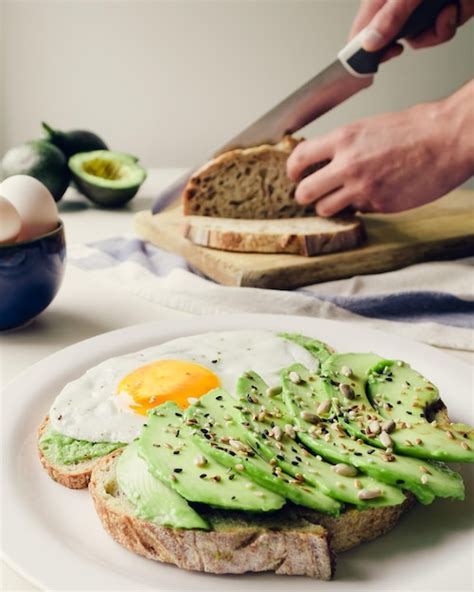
387	23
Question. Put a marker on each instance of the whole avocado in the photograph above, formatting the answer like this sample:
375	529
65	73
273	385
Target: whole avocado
74	141
41	160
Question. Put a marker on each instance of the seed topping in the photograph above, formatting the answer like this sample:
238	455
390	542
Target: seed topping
345	470
346	390
294	377
368	494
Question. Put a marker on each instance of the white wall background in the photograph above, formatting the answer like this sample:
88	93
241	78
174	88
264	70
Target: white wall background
169	80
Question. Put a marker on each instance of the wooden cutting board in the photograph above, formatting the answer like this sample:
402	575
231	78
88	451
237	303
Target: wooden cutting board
441	230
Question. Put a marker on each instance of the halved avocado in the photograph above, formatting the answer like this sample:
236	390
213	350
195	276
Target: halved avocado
109	179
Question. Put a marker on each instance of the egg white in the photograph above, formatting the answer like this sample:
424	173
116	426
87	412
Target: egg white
88	408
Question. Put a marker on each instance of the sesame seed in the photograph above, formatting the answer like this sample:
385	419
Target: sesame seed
450	435
239	467
418	441
273	391
345	470
424	479
385	439
323	407
200	461
357	484
346	371
465	446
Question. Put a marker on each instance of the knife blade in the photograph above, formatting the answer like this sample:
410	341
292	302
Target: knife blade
352	72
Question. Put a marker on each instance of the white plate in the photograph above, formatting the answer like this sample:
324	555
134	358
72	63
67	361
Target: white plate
52	536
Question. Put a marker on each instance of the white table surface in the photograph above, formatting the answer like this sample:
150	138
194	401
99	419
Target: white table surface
81	311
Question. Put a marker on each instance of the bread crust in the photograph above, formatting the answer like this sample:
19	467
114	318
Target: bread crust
305	543
75	476
297	236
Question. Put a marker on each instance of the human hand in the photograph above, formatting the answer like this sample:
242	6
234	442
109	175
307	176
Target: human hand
385	18
391	162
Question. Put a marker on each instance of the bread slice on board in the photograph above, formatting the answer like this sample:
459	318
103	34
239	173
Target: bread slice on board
74	476
246	183
297	236
292	541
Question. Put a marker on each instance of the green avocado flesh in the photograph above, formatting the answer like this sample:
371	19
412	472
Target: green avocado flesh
153	500
326	436
109	179
293	458
386	390
172	456
63	450
225	441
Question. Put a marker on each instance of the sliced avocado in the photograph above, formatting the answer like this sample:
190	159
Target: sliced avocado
63	450
74	141
226	445
271	431
109	179
321	351
153	500
390	398
324	435
41	160
166	445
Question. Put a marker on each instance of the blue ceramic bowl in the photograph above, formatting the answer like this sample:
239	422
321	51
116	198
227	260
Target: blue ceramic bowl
30	275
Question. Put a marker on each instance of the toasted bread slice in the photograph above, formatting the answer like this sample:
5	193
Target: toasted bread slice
246	183
297	236
75	476
292	541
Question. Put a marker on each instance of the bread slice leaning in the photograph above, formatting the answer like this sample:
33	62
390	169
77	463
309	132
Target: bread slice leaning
297	236
292	541
248	183
74	476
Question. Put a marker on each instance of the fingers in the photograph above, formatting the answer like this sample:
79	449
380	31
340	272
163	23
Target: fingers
318	184
308	153
367	10
334	203
392	52
444	29
387	23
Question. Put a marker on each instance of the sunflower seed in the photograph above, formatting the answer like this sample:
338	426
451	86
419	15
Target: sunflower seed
323	407
374	428
368	494
345	470
273	391
200	461
309	417
346	390
385	439
388	426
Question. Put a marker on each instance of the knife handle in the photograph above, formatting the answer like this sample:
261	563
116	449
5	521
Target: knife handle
362	63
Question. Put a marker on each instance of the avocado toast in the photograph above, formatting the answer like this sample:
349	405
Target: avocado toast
282	478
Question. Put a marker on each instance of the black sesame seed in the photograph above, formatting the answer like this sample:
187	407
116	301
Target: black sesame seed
280	457
400	481
233	497
371	451
214	361
231	477
202	475
358	453
299	459
219	398
409	413
157	445
177	470
231	452
176	452
295	463
178	414
399	402
177	434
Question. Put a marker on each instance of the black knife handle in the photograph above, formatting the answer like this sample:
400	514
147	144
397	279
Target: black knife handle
365	63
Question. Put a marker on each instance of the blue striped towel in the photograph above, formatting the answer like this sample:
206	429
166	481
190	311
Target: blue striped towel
431	302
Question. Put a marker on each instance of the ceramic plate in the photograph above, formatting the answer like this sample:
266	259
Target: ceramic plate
52	536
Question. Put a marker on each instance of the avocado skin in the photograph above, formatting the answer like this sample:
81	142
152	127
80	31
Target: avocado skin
74	141
153	500
105	197
434	441
41	160
404	472
218	405
166	445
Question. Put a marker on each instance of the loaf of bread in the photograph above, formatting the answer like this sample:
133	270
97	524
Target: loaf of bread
248	183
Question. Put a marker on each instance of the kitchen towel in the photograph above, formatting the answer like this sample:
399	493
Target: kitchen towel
430	302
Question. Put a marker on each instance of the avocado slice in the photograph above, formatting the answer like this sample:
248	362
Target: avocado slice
224	441
153	500
388	390
320	350
109	179
318	431
271	432
166	445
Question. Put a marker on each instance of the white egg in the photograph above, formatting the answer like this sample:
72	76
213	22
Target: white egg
90	408
34	203
10	222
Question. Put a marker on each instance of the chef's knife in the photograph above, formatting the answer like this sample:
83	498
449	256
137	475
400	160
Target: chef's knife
351	72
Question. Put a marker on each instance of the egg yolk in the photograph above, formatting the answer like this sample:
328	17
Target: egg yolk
167	380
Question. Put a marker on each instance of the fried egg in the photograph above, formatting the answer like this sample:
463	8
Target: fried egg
110	401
